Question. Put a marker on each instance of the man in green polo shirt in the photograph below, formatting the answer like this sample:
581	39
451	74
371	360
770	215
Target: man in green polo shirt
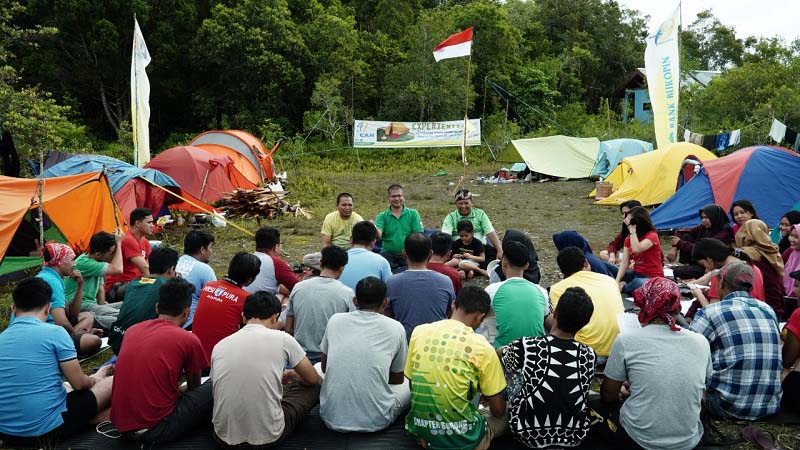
394	225
483	229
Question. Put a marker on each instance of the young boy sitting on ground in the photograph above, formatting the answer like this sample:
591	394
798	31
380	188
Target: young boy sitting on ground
467	251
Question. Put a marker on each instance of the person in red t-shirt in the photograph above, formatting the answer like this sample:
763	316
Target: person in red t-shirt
644	248
441	245
135	253
147	404
219	308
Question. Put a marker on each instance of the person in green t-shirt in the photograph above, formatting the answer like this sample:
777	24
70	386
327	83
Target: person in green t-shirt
394	225
483	229
447	364
104	258
141	295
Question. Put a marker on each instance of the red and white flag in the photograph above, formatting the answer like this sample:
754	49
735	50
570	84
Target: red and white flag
457	45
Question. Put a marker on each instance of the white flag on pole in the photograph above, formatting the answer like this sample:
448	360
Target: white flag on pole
140	98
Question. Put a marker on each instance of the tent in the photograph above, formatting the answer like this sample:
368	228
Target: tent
132	187
651	177
202	174
249	155
612	152
75	208
559	156
767	176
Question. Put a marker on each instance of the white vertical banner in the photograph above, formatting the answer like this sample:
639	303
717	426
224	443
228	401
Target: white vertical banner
661	59
140	98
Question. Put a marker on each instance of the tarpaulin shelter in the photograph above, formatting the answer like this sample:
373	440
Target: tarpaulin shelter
249	155
559	156
651	177
75	207
612	152
767	176
132	187
202	174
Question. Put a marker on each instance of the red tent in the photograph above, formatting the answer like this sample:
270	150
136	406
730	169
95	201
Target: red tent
200	173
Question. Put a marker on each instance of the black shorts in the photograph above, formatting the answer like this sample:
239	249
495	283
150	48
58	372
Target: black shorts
81	408
791	391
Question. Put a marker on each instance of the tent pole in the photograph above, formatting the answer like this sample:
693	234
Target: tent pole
203	188
40	189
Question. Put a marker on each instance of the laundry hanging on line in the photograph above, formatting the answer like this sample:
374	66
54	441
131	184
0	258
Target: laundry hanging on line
780	132
717	142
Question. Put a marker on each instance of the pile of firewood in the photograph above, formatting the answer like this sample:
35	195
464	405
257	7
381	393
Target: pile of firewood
261	203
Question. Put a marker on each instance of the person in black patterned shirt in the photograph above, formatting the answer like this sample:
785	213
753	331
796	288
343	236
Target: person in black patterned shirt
551	410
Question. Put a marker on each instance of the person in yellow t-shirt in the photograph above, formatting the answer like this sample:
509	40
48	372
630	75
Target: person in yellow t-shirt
448	363
338	225
602	329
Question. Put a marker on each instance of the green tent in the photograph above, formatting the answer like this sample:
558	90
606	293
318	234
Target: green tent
559	156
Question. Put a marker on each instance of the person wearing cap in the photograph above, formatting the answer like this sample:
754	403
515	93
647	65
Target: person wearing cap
312	263
59	262
791	355
338	225
394	225
483	229
743	333
652	392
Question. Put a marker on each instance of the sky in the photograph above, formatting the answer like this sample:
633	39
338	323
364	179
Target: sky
758	18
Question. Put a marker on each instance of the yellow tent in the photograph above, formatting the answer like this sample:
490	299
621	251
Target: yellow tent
651	177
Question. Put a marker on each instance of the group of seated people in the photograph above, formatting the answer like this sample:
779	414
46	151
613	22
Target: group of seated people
373	337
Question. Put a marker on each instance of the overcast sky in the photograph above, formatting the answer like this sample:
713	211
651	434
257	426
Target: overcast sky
749	17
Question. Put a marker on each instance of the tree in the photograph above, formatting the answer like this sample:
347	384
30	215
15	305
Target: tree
709	45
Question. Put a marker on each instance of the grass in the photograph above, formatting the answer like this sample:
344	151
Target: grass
539	209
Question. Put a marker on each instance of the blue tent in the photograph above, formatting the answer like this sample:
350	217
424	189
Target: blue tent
611	153
767	176
118	172
126	182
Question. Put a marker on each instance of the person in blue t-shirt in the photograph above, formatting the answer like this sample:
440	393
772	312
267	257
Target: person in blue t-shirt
35	407
193	265
362	262
59	262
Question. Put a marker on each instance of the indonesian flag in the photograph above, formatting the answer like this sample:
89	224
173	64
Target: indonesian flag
459	44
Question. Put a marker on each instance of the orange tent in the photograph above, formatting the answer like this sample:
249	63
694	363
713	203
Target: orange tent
249	155
75	207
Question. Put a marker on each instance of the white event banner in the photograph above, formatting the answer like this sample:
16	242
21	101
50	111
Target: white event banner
369	133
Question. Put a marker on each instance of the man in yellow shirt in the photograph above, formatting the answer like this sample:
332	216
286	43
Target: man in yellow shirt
338	225
602	329
447	364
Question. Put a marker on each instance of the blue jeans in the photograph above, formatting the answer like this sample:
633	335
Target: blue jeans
633	281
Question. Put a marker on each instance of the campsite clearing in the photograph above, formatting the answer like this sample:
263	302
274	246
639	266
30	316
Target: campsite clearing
538	209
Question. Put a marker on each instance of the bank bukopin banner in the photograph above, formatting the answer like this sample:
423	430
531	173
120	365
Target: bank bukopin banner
415	134
661	60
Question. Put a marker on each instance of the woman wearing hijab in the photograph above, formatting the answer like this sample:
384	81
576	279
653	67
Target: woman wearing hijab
791	260
666	368
753	240
742	211
532	273
787	221
571	238
714	224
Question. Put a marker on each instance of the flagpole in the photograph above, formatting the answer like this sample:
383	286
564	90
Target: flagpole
466	118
